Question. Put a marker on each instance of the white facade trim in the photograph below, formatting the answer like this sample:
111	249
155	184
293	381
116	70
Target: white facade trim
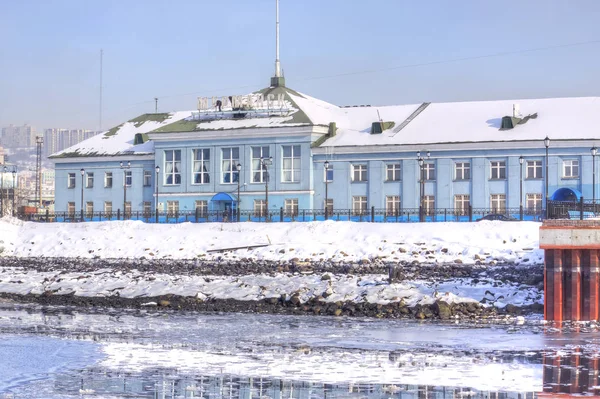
245	133
111	158
253	193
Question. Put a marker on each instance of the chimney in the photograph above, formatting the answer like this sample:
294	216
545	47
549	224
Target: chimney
516	111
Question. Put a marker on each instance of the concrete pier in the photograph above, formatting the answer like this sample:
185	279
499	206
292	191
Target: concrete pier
571	269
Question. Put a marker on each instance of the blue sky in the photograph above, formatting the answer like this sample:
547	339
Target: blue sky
180	49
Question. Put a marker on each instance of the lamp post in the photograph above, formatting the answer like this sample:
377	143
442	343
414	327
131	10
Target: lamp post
156	184
14	173
326	165
521	187
421	161
125	168
237	206
594	150
82	171
547	144
265	165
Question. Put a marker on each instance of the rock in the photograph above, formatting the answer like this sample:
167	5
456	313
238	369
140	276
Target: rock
337	312
458	261
164	303
443	310
325	277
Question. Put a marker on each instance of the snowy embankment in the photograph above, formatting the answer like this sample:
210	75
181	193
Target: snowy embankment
483	243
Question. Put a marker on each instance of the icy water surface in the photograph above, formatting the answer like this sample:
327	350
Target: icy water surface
64	353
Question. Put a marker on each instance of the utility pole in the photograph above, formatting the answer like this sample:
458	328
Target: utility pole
156	105
39	140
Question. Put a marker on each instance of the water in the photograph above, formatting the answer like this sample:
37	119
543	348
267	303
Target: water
63	353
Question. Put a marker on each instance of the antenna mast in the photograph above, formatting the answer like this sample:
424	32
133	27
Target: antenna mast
101	52
277	80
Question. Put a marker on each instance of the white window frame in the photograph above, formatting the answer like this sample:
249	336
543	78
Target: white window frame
89	180
89	209
291	166
258	172
127	209
359	172
147	178
172	168
172	208
328	174
108	179
201	166
108	207
394	170
462	170
128	174
392	205
360	205
534	169
461	204
570	169
147	208
499	169
260	208
71	180
328	204
533	202
429	172
71	208
291	207
498	203
429	204
201	208
229	161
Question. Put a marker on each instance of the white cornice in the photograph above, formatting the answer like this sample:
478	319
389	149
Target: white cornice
108	158
250	133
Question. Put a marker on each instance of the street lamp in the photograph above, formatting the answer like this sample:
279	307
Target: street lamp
265	163
326	165
156	183
237	206
594	150
125	168
14	173
521	188
547	144
82	171
421	161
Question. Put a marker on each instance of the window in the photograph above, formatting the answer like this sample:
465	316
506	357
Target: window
71	180
89	209
89	181
147	178
108	178
201	208
429	171
359	205
229	172
201	166
128	178
329	173
498	203
461	204
392	205
147	209
359	172
392	172
329	206
260	208
291	164
498	170
71	208
291	207
534	203
172	167
172	208
429	204
259	174
534	169
570	168
108	207
462	171
128	209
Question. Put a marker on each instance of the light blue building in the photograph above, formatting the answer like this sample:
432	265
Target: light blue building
272	146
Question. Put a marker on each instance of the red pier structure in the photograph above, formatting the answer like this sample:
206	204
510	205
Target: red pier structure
571	269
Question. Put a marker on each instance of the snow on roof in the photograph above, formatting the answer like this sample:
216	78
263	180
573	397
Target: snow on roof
120	140
478	121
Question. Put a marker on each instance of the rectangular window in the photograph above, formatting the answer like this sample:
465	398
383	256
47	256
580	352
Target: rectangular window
71	209
498	203
291	207
147	209
71	180
392	172
108	179
201	165
392	205
259	174
462	170
359	172
429	171
534	203
128	209
89	209
147	178
359	205
128	178
229	172
498	170
461	204
89	181
172	208
329	173
108	208
534	170
260	208
291	164
429	204
570	168
329	205
201	208
172	167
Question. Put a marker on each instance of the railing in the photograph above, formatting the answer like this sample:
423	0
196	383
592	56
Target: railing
578	210
374	215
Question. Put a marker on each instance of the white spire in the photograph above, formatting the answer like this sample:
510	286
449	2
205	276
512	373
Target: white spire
277	64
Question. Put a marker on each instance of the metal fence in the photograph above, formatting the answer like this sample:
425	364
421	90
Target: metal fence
576	210
374	215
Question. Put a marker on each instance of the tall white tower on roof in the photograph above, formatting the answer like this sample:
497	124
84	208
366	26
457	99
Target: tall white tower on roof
278	79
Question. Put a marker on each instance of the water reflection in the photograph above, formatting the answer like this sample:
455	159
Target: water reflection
573	372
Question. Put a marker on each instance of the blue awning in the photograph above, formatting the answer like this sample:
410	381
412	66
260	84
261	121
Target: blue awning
223	197
566	194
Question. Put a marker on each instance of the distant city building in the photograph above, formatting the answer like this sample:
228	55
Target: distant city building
18	136
58	139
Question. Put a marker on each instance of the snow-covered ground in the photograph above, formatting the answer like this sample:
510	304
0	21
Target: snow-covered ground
468	243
